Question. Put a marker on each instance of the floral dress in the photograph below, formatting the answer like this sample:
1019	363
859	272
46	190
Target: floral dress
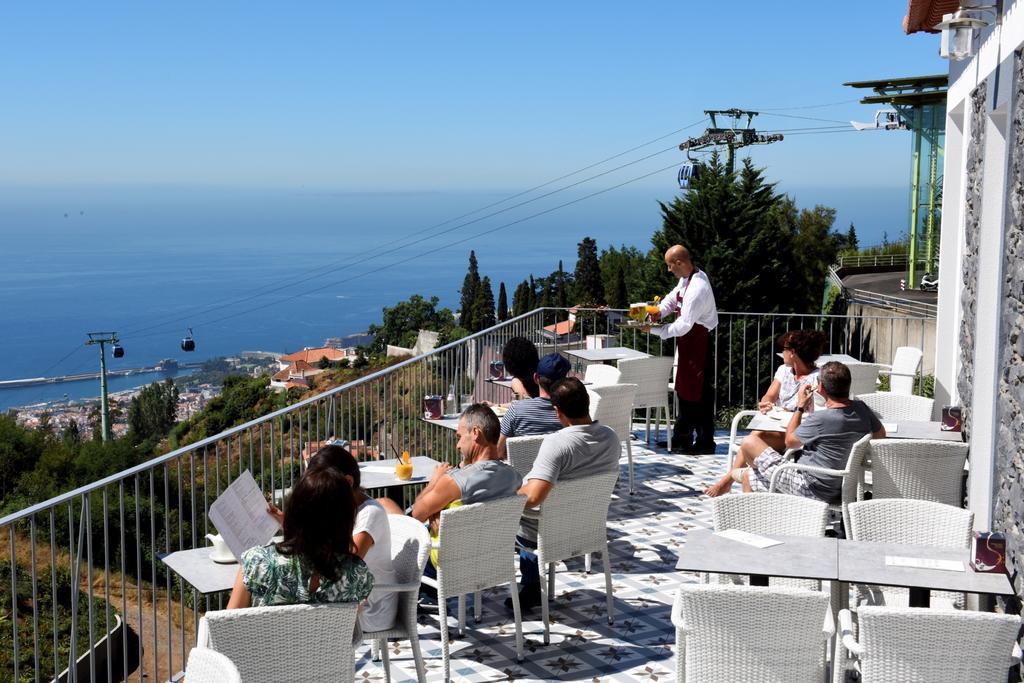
277	579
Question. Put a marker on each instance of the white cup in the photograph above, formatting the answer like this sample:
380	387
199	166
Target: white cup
221	553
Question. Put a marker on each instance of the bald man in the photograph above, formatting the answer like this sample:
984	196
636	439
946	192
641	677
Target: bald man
693	302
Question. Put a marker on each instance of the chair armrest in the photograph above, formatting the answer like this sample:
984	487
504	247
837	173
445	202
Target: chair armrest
397	587
1015	657
426	580
846	631
791	453
532	513
802	468
829	627
203	634
736	424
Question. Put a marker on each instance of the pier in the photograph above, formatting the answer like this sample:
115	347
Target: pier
32	381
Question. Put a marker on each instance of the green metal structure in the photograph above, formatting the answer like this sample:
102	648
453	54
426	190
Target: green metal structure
102	339
920	102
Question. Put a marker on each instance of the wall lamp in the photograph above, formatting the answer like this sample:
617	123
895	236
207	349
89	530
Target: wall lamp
958	29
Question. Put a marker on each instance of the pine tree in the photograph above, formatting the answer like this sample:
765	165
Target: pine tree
483	308
561	289
521	299
470	285
619	297
502	303
531	295
851	239
589	287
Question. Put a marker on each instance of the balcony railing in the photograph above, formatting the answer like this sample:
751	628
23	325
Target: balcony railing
101	544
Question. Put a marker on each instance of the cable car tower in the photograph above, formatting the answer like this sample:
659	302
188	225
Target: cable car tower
102	339
734	137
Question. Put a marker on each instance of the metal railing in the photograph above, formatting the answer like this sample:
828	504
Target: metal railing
863	261
103	542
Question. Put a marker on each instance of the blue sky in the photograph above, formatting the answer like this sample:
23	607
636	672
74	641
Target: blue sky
432	96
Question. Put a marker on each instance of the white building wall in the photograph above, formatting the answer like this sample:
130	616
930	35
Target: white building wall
994	61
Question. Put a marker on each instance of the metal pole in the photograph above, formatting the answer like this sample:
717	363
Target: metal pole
104	405
915	194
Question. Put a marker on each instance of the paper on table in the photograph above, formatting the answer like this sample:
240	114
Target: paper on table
748	538
783	416
924	563
890	427
240	515
377	469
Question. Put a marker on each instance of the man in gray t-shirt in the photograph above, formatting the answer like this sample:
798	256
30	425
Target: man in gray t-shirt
826	437
581	448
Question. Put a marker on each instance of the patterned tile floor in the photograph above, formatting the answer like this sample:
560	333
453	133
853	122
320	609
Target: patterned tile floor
644	531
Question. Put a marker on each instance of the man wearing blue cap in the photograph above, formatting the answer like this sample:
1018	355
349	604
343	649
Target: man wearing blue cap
535	415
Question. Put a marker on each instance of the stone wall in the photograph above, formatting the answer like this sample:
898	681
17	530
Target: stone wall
972	222
1008	515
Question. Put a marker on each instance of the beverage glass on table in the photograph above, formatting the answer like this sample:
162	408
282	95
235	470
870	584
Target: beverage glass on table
403	468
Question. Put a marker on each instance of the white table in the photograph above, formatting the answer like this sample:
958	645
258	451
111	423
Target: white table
197	570
797	557
922	430
610	354
864	562
379	474
838	357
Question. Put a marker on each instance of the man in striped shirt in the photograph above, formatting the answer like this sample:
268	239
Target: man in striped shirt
534	415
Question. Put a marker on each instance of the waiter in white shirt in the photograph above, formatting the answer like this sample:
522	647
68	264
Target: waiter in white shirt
693	302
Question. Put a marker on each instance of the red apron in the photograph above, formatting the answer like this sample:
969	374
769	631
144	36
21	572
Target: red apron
692	349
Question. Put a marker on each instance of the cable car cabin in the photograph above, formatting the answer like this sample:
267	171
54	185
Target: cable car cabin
117	351
687	173
188	343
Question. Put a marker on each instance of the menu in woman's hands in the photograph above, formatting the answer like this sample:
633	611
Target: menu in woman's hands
241	517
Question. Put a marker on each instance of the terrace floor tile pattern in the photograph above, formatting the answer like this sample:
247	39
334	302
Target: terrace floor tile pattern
644	531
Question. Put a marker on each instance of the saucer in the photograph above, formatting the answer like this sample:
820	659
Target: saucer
227	558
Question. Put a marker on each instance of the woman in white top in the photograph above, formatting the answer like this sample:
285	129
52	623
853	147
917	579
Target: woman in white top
371	538
800	350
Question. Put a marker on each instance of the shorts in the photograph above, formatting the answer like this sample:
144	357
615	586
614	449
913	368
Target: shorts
790	481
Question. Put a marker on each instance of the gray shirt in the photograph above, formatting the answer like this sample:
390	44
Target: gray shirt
485	480
572	453
827	437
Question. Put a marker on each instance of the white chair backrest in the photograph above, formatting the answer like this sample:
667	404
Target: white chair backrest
599	375
714	622
891	407
209	666
905	363
522	451
863	378
285	642
574	517
910	522
770	513
934	645
410	547
649	375
919	469
476	543
613	406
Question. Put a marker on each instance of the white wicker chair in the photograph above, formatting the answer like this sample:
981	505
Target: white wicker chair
863	377
852	474
285	642
410	548
522	451
749	634
209	666
903	370
734	441
919	469
907	522
613	406
649	374
600	375
573	521
477	544
770	514
890	407
916	645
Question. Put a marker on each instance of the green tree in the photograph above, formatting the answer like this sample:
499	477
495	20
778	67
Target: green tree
851	238
521	299
589	286
619	297
502	303
561	295
815	247
470	285
626	267
483	314
152	412
402	321
323	363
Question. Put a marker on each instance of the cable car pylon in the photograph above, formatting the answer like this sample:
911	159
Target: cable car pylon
732	138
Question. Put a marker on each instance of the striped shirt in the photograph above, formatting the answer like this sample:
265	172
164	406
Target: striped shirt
530	416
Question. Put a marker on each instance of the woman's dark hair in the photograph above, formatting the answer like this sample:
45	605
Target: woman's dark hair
318	521
339	458
520	357
807	344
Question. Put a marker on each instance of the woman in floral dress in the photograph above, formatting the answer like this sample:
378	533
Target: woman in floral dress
314	563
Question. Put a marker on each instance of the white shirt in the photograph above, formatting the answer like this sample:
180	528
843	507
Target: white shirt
380	610
697	308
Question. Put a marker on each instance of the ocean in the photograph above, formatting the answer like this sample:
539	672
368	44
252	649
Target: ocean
279	270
